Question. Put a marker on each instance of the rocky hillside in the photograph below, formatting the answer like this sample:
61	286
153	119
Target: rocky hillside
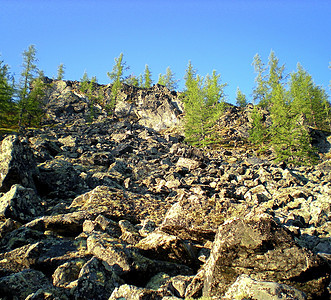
121	208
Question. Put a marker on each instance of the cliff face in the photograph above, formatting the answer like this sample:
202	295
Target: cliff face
113	208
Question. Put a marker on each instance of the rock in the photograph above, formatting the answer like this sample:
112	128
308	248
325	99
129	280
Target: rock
179	284
21	204
195	216
258	247
188	163
245	287
17	165
117	204
157	281
111	251
96	281
20	285
134	293
67	225
7	226
67	273
129	233
163	246
59	178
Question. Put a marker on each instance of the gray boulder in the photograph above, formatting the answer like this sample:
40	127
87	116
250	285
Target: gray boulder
17	165
245	287
21	204
258	247
20	285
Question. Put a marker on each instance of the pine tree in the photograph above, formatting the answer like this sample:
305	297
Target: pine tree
60	72
116	77
241	98
147	77
7	106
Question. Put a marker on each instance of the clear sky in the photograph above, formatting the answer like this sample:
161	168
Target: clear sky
86	35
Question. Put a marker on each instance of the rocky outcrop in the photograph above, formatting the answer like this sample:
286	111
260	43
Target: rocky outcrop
157	107
115	209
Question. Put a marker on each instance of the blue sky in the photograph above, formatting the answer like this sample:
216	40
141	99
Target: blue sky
87	35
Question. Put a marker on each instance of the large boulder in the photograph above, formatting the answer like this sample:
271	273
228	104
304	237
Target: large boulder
21	204
20	285
245	287
119	204
17	165
257	246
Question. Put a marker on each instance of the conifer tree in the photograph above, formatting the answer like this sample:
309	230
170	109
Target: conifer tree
241	99
89	88
116	77
132	80
309	99
30	106
203	104
60	72
258	134
84	83
147	77
168	80
161	80
289	136
7	106
260	91
268	77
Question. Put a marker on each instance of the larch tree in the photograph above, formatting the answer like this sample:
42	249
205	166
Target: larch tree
241	99
60	72
289	136
147	77
203	105
309	99
268	77
7	106
116	77
29	104
168	79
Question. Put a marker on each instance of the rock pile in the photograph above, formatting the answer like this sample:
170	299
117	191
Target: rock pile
115	209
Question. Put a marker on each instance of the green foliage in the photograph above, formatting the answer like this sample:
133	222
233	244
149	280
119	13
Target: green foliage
292	111
147	77
241	99
7	106
89	88
203	104
132	80
60	72
30	91
309	100
117	77
258	133
267	79
289	136
168	80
